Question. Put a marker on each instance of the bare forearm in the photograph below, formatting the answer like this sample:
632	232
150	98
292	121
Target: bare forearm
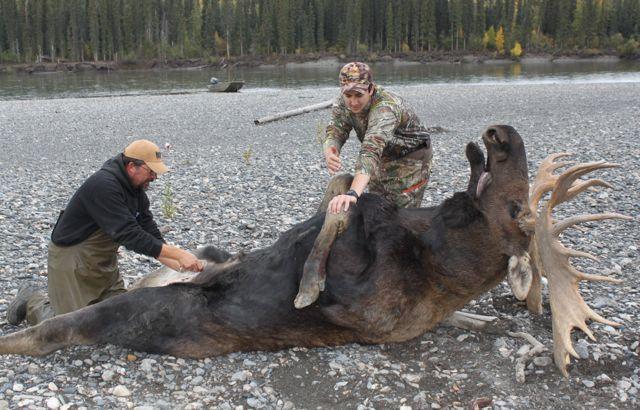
183	259
170	263
360	182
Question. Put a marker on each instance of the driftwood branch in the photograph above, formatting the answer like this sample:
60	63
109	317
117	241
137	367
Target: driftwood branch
291	113
521	362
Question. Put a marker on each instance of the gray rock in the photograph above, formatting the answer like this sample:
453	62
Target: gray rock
588	383
254	403
542	361
121	391
108	375
582	348
240	376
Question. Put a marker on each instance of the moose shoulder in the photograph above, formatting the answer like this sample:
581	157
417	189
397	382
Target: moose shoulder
384	275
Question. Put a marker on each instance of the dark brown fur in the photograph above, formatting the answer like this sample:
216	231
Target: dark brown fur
392	275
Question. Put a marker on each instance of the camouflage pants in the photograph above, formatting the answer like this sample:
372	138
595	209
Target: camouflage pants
403	181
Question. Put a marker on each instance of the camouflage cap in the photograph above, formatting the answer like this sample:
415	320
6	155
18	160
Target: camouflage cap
355	76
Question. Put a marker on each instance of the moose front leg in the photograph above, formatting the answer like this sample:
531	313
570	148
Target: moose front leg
314	272
338	185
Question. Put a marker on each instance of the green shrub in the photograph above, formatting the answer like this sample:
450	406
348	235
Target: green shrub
363	49
168	207
8	57
630	49
246	155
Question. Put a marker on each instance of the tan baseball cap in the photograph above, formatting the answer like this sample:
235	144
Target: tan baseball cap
148	152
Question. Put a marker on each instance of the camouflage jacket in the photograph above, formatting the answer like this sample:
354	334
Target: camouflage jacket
388	129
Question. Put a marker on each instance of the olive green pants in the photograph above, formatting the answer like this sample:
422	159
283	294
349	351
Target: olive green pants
78	276
403	181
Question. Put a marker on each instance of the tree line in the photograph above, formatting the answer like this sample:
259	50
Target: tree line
104	30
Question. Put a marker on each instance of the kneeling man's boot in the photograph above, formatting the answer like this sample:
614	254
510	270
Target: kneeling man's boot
17	310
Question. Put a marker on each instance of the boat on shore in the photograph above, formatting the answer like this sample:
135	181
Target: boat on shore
216	86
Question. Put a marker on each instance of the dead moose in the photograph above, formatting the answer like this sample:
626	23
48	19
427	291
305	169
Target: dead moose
376	275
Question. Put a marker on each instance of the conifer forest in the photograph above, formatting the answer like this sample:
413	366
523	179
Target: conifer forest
121	30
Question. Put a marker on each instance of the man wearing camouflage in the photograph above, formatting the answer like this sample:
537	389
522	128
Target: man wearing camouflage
395	155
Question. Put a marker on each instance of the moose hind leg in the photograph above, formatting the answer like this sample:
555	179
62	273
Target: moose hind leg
46	337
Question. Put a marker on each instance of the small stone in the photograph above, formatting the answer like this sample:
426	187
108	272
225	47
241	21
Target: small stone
108	375
504	352
288	405
412	377
239	376
146	365
17	387
542	361
197	381
254	403
624	385
582	348
53	403
588	383
603	378
52	386
131	357
121	391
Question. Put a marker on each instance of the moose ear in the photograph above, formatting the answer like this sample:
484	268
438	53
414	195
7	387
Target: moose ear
475	156
498	138
519	275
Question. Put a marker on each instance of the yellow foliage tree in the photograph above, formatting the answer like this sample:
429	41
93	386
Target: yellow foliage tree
500	40
516	51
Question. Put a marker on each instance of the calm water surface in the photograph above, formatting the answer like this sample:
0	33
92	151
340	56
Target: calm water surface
114	83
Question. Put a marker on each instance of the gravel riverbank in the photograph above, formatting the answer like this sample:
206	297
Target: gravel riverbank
237	186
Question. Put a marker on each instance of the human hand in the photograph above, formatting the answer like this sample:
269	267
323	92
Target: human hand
332	158
189	262
341	203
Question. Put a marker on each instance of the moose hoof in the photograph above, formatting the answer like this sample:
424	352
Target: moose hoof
306	297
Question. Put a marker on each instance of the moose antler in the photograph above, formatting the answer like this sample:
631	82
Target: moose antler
552	259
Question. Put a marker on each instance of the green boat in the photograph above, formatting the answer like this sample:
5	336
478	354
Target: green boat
216	86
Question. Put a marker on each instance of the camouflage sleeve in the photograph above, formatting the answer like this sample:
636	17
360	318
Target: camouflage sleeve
382	125
337	132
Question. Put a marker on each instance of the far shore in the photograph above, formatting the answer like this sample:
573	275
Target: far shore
303	61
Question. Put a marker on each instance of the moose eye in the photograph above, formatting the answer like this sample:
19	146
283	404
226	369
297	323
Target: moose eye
514	209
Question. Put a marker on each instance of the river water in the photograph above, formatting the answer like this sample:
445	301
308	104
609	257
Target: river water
258	79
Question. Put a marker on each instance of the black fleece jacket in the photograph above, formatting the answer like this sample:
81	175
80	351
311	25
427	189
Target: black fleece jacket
108	201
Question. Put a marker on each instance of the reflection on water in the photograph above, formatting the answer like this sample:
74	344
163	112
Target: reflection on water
96	84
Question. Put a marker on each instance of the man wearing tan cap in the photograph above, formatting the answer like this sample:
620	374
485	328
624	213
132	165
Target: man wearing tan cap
110	209
395	155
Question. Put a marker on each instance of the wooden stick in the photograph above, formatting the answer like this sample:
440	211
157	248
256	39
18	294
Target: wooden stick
521	362
291	113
